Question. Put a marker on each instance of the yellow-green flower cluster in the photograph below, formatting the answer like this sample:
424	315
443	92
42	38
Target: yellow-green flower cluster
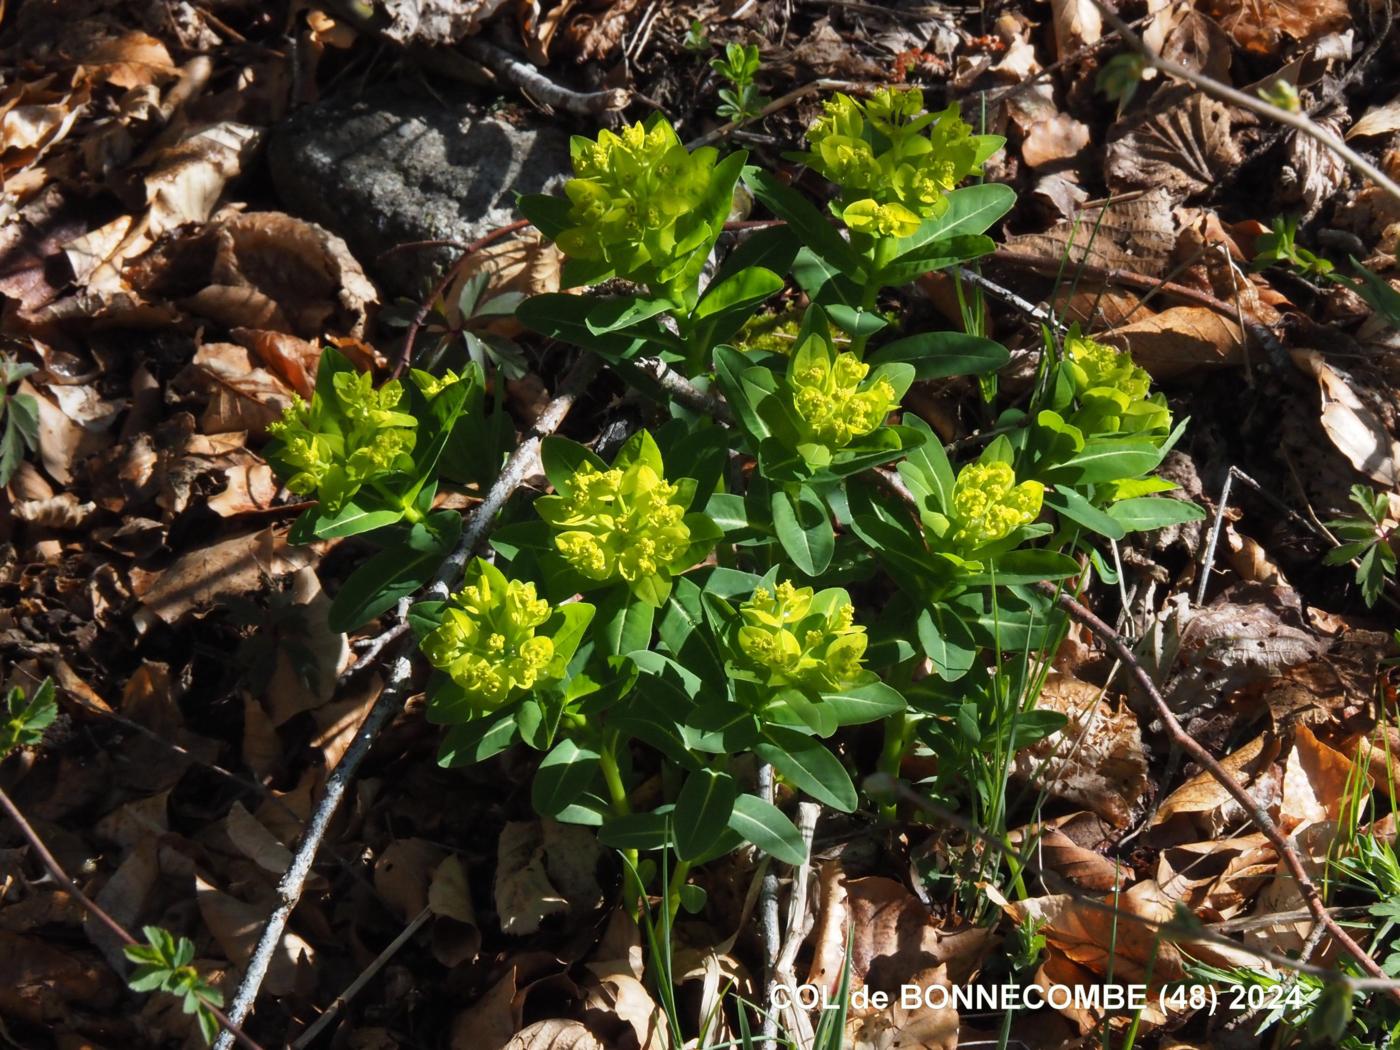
988	505
1115	395
337	444
800	639
486	642
634	201
626	522
894	163
834	401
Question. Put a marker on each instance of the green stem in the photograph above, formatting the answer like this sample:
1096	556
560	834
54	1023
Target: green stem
896	739
673	889
880	258
617	793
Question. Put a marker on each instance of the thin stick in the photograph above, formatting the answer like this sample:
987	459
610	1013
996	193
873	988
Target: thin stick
55	869
1299	122
538	86
1257	814
290	886
768	922
1208	560
357	985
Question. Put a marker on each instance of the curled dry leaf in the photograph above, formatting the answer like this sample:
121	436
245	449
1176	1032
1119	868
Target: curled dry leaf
1183	143
1338	686
1138	234
57	512
241	396
1097	760
436	23
1059	138
188	178
1216	879
543	869
255	842
619	993
899	1027
1054	851
1202	808
1077	25
403	872
1378	120
455	936
1350	423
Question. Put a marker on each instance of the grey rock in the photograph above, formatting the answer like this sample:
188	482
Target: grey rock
393	169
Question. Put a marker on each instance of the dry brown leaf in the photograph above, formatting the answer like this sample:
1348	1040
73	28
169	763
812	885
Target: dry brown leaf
38	981
403	872
1264	28
492	1019
436	22
1249	559
255	842
241	397
57	512
1315	781
456	938
291	359
1216	879
1097	760
1059	138
310	662
188	178
1378	120
527	264
262	750
234	566
1181	340
543	869
125	896
1077	25
554	1035
1338	686
131	60
619	993
1057	852
250	486
1137	234
1202	807
1182	143
236	925
1351	424
338	722
899	1027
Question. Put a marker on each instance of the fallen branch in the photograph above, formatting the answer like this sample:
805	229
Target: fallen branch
1299	122
1258	816
50	862
396	689
539	87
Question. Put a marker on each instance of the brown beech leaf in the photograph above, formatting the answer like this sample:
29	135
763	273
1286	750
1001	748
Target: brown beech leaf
133	59
543	869
237	565
1216	879
1077	25
456	938
1265	28
1378	120
188	178
1181	340
241	397
1137	234
1351	424
619	993
1097	760
1055	851
1202	807
554	1035
1182	143
237	924
1315	780
1337	686
899	1027
403	872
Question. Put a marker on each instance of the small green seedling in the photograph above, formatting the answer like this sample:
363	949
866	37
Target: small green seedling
1367	540
27	719
19	418
741	100
1281	246
164	964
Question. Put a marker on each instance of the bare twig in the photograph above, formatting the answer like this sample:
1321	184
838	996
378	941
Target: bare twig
289	887
50	862
1208	559
1299	122
768	923
1256	812
683	390
366	975
539	87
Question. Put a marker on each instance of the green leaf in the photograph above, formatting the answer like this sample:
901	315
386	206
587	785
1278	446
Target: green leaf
1142	513
351	520
562	458
564	317
805	220
476	741
804	530
935	355
564	774
936	256
639	831
946	640
377	584
855	321
867	703
624	311
745	388
1069	503
548	213
768	828
740	291
1107	461
728	511
702	811
971	210
622	625
808	765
